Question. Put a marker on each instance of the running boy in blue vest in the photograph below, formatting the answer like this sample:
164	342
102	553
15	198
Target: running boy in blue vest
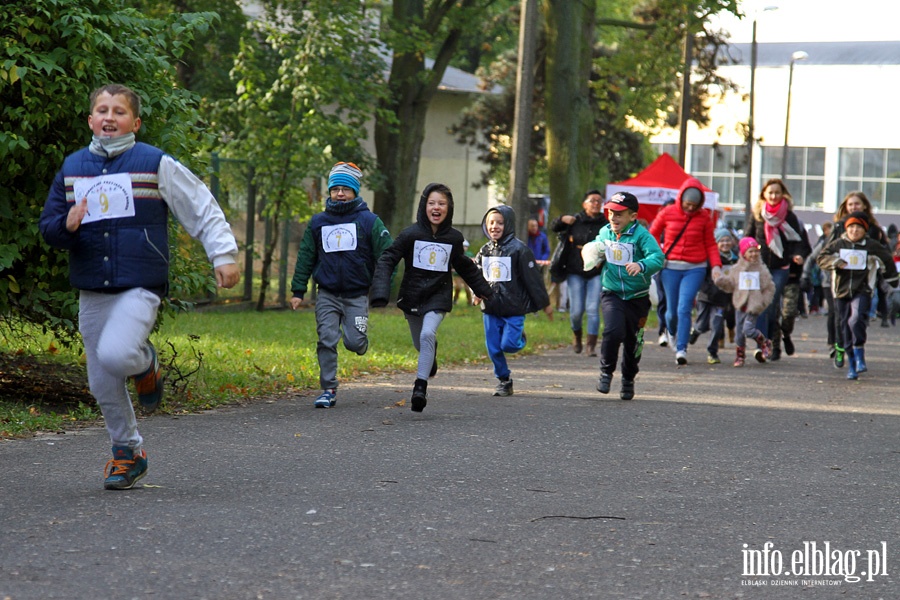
109	206
339	250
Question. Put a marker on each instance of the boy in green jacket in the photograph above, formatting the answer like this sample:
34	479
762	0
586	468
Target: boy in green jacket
629	256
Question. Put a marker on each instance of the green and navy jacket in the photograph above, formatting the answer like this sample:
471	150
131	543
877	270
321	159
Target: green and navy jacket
644	250
347	273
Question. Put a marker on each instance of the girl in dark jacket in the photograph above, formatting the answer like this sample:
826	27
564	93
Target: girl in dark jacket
428	248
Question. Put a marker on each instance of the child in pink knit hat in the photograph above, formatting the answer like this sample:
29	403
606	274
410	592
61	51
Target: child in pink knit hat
752	289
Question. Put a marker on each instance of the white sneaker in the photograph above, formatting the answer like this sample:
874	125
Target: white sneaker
681	357
663	340
673	341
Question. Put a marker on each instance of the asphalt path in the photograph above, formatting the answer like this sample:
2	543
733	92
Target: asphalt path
771	481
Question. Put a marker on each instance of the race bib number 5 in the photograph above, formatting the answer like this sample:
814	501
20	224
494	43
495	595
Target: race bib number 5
108	196
431	256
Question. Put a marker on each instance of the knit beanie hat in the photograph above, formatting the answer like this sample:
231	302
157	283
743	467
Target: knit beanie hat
747	243
721	232
857	218
346	174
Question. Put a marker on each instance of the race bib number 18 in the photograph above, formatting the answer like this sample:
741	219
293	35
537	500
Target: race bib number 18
108	196
431	256
619	253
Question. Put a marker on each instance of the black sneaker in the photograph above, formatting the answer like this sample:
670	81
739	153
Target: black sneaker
627	392
605	383
695	335
124	469
419	396
504	388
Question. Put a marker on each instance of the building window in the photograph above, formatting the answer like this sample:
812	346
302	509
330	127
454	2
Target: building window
875	171
804	174
670	149
722	169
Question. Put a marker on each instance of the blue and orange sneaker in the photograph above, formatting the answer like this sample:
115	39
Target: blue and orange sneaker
124	469
149	385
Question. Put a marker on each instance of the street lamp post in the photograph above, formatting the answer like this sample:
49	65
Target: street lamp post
748	203
798	55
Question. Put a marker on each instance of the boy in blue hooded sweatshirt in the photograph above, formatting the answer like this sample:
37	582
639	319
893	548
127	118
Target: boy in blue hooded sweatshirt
510	268
629	256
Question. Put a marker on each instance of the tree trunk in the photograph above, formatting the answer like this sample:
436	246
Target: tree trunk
570	34
398	145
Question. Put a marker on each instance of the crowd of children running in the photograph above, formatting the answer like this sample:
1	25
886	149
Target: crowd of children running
108	207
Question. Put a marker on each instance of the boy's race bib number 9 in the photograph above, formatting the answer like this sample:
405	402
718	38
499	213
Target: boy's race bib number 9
497	268
431	256
748	281
339	238
855	259
108	196
618	253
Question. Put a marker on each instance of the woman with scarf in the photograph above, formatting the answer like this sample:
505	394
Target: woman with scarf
783	243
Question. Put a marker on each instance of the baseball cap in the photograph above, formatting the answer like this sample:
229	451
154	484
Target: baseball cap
622	201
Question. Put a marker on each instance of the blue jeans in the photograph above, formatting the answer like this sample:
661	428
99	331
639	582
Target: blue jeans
681	291
584	295
502	336
769	321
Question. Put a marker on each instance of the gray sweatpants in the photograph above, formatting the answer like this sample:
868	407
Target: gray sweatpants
424	335
335	315
115	328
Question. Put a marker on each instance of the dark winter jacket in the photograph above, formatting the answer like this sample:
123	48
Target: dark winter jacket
343	273
427	283
516	279
847	283
112	255
792	248
576	235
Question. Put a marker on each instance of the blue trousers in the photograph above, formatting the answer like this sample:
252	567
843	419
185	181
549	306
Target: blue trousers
502	336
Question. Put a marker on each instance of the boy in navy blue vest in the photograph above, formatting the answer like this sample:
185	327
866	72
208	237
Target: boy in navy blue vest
108	206
339	250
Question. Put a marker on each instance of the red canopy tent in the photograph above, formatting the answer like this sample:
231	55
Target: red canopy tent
656	184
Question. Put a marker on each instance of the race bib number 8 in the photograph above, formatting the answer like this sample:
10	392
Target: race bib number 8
108	196
497	268
431	256
749	281
339	238
855	259
618	253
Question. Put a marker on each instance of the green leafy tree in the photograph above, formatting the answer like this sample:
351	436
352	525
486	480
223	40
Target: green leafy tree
307	79
54	53
415	29
632	87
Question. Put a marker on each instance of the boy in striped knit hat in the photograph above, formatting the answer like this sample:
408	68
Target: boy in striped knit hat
339	250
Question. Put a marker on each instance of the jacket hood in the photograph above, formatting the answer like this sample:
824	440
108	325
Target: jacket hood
422	218
691	182
509	222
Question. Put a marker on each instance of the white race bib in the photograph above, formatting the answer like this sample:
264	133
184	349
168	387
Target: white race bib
431	256
618	253
339	238
108	196
749	281
497	268
855	259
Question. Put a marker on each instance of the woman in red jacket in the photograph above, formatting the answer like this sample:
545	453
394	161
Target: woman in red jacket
690	248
